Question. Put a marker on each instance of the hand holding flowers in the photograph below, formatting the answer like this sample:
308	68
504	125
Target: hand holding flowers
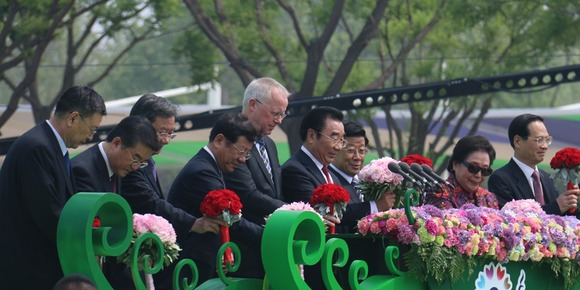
376	178
224	204
330	199
566	162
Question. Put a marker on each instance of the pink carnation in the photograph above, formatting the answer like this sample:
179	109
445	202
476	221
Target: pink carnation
154	224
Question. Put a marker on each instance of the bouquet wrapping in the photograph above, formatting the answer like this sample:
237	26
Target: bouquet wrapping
566	162
375	178
330	199
224	204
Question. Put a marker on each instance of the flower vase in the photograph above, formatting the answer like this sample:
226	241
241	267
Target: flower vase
569	186
228	255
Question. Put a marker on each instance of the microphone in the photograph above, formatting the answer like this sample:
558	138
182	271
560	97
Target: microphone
430	172
405	167
394	167
415	167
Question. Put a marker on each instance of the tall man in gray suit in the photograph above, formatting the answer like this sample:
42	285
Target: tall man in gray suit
257	181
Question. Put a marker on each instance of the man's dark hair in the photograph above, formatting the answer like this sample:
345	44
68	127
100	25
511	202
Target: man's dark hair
352	129
519	126
232	126
75	282
468	145
81	99
134	130
151	106
316	118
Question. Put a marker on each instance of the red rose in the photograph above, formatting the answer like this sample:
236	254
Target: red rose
329	194
216	201
566	158
417	158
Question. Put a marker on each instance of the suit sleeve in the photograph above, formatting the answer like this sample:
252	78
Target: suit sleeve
242	183
83	180
502	186
296	184
40	178
190	188
143	199
354	212
552	207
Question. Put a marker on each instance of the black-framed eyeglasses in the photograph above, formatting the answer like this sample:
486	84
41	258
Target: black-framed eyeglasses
352	151
93	130
474	169
335	140
165	135
276	115
242	153
136	163
541	140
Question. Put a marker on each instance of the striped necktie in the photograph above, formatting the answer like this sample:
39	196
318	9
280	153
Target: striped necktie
264	155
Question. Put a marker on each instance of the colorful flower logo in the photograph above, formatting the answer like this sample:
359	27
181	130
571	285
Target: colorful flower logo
495	277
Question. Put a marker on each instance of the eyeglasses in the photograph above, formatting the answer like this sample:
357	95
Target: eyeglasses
136	163
335	141
276	115
242	153
475	169
93	131
352	151
541	140
166	135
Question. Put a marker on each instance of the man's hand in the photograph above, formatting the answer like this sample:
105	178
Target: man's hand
568	199
207	224
386	201
330	220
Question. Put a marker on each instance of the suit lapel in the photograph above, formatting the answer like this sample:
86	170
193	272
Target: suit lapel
258	159
311	167
521	180
54	143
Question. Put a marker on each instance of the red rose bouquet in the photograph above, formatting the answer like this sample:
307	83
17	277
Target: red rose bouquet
417	158
225	204
566	162
330	199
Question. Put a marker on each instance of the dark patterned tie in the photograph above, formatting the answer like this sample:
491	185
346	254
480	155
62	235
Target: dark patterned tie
354	183
114	183
67	163
153	168
264	155
326	174
538	187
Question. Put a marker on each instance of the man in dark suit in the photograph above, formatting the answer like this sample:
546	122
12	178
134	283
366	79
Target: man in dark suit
347	164
36	183
141	187
230	142
530	139
257	181
127	148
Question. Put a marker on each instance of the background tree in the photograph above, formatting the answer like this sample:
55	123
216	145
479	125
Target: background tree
79	29
327	47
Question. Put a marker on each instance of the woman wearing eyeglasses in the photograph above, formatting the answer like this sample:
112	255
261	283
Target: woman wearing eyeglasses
468	167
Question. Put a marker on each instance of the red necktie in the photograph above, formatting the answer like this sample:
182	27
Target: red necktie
326	174
114	183
538	187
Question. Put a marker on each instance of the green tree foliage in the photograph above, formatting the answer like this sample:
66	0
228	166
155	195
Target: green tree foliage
79	28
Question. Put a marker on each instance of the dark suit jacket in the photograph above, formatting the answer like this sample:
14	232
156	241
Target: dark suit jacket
91	173
300	176
354	196
259	194
198	177
35	186
509	183
143	193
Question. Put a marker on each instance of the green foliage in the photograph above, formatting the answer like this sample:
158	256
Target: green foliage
200	55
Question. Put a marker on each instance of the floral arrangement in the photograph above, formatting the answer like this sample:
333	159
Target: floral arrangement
417	158
150	223
224	204
566	162
376	178
445	243
297	206
329	199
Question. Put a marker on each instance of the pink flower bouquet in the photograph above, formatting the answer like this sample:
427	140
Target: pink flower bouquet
375	178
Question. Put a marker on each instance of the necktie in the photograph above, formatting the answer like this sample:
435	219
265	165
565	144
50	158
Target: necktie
354	183
153	168
264	155
538	187
326	174
114	183
67	163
